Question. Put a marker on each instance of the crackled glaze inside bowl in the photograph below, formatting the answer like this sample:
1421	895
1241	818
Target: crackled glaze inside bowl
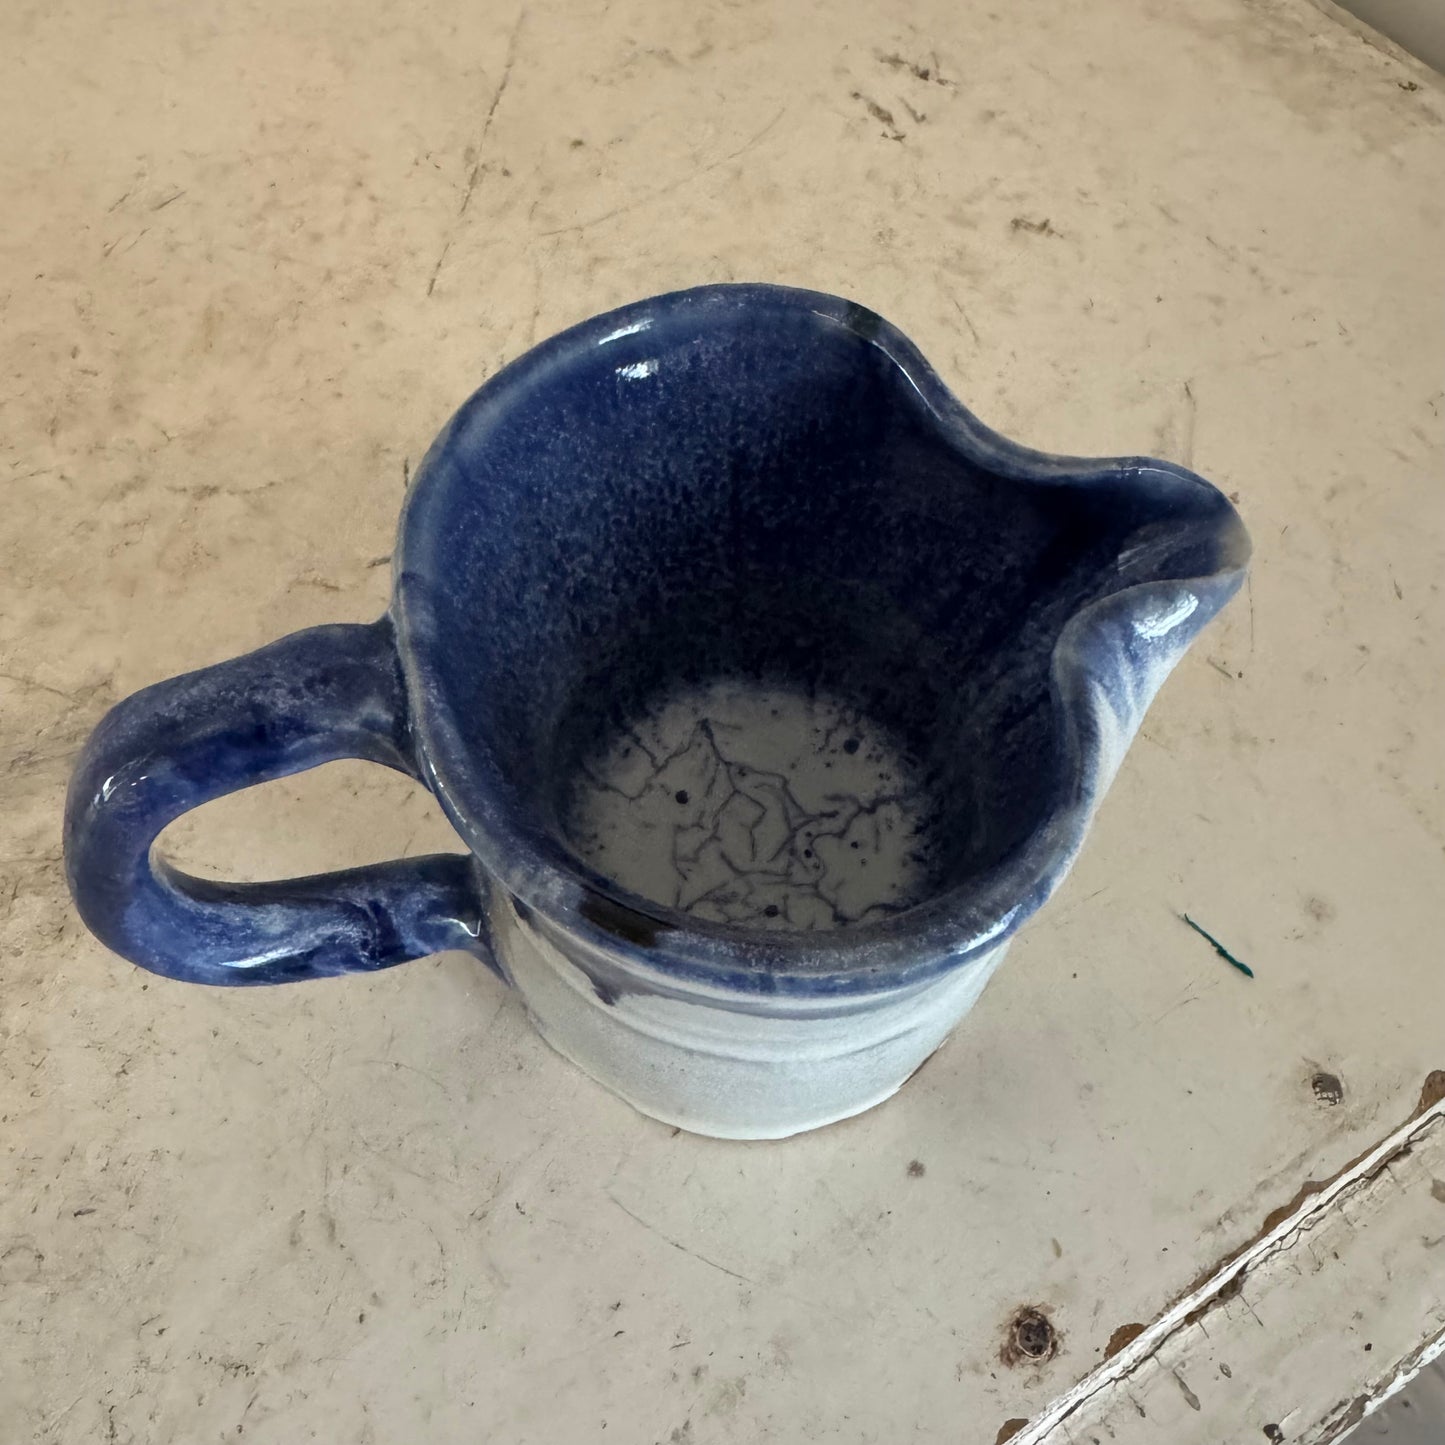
757	805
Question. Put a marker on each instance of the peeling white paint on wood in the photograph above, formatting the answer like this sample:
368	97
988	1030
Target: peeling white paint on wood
1334	1298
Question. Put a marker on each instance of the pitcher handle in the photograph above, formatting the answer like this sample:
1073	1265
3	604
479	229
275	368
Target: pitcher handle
313	697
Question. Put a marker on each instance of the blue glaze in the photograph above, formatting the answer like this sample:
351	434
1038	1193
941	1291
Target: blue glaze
733	481
327	693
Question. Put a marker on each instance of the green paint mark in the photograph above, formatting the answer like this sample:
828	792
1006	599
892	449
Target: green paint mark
1219	948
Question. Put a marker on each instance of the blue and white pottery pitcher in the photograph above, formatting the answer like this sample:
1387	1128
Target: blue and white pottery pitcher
769	691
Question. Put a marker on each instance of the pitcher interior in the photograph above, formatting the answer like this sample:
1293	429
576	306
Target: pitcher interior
731	619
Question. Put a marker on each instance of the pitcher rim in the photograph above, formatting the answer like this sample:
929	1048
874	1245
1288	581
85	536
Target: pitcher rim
959	924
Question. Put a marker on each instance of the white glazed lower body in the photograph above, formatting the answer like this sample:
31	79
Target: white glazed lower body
735	1066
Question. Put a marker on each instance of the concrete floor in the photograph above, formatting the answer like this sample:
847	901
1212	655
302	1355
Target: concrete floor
253	257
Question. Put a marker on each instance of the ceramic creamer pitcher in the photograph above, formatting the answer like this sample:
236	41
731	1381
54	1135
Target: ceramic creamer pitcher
769	691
